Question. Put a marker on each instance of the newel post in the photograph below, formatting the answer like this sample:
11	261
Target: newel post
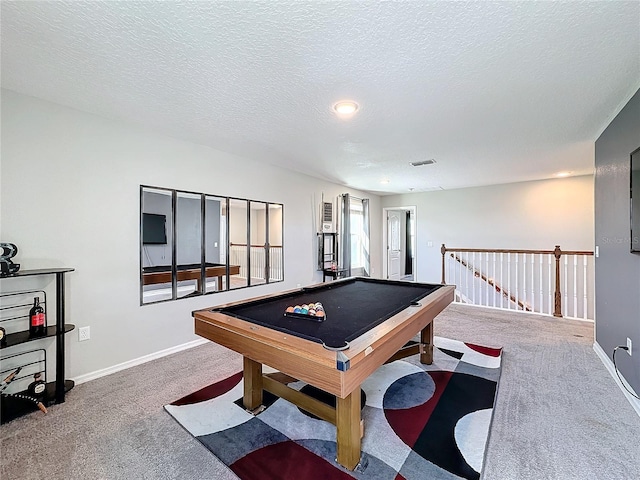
557	311
443	250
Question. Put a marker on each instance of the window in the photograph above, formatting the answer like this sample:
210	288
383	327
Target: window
355	235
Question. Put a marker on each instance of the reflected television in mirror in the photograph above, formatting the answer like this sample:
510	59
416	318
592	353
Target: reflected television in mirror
154	229
635	201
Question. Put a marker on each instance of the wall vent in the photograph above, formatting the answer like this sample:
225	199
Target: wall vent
326	214
423	162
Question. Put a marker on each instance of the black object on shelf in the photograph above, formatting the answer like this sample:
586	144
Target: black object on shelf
7	252
55	392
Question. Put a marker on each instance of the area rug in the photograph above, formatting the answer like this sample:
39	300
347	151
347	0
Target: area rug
421	422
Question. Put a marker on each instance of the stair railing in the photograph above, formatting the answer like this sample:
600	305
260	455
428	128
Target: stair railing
553	282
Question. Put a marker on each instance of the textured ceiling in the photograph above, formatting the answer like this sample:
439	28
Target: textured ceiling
495	92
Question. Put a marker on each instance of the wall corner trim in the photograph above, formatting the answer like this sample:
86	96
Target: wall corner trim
137	361
635	403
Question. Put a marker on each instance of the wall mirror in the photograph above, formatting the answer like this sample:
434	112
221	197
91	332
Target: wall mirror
195	244
635	201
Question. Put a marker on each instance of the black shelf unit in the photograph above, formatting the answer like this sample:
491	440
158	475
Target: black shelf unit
328	256
55	390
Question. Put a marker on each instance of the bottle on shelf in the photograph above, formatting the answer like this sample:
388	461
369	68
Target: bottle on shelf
37	388
37	324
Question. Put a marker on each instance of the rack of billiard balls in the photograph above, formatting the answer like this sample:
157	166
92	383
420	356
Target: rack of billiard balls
311	311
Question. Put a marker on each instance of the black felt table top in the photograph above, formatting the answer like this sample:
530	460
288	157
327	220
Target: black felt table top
352	307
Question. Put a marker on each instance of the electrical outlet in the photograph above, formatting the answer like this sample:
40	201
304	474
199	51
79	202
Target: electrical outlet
629	346
84	333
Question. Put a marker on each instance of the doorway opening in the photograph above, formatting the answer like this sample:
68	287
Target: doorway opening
400	241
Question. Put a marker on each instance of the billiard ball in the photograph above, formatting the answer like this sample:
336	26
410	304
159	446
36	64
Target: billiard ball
289	310
297	310
320	313
312	311
304	311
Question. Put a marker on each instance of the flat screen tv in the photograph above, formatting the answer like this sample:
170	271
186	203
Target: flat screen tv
154	229
635	201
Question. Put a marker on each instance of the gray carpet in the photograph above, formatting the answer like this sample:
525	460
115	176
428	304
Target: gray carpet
559	414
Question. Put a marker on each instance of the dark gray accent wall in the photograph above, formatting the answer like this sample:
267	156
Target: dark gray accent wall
617	269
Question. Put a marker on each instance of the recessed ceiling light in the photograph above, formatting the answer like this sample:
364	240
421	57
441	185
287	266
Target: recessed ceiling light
346	108
563	174
384	181
411	189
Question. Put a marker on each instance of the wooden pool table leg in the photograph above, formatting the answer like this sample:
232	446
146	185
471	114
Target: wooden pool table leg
252	372
348	430
426	344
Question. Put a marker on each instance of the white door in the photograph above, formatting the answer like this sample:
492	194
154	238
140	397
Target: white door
394	244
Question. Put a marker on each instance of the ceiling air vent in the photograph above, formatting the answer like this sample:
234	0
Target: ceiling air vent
423	162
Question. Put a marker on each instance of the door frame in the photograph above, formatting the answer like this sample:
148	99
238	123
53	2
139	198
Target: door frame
385	240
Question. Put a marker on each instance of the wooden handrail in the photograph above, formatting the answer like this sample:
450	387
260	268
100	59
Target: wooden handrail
557	252
498	250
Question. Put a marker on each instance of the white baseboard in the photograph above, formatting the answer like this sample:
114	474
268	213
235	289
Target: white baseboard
137	361
635	403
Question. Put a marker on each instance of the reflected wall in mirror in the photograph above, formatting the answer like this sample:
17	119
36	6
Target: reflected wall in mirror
189	244
156	238
258	238
220	243
635	201
215	216
276	258
238	233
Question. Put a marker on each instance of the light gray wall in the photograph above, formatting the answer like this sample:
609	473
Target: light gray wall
70	196
617	270
527	215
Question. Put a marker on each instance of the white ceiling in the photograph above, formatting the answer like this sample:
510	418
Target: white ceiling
495	92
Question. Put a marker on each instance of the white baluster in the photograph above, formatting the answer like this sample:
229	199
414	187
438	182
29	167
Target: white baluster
575	286
517	294
566	285
584	287
533	284
524	281
501	280
550	287
509	280
541	305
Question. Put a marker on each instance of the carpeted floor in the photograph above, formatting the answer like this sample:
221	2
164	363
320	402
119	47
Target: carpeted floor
558	413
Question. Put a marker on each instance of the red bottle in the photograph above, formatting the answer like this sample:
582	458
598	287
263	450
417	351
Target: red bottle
37	326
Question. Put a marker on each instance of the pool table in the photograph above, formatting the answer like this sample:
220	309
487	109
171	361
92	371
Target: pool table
162	273
368	323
